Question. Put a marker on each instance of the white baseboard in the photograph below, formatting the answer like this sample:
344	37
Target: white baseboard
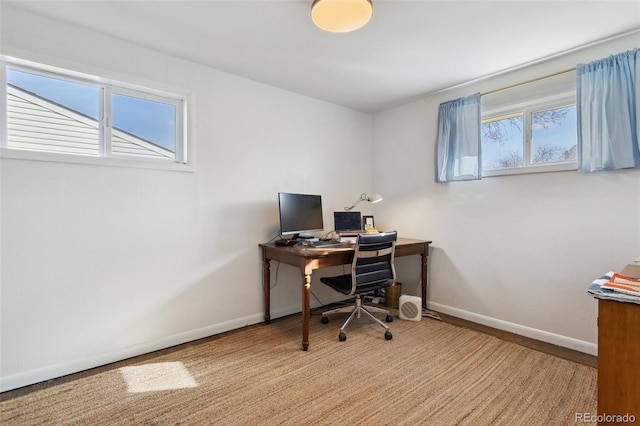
522	330
49	372
58	370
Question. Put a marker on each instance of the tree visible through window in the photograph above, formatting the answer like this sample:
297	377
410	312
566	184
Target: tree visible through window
529	137
554	135
502	146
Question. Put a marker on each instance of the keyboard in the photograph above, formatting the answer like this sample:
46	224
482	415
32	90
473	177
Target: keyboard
329	243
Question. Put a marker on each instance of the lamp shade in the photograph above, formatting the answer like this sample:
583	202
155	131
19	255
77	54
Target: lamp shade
374	198
341	16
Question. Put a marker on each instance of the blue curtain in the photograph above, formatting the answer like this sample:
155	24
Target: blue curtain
607	105
458	142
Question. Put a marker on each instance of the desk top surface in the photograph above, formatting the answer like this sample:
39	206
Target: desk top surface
402	244
346	245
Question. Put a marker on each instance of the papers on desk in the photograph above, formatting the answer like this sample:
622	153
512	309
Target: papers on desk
615	286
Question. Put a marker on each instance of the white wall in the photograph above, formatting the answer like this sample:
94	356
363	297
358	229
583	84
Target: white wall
512	252
102	263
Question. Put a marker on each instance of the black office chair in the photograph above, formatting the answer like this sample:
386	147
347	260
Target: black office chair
372	269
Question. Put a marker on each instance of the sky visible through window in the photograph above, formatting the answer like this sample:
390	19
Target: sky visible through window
149	120
561	136
563	133
493	151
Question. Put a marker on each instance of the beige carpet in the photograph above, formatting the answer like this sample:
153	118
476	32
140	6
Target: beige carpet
431	373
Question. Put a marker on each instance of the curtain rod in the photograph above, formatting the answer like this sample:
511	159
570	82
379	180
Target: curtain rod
533	80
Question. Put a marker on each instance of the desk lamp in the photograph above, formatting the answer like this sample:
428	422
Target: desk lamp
363	197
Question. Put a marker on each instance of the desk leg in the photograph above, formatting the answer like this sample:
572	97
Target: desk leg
266	284
425	284
306	290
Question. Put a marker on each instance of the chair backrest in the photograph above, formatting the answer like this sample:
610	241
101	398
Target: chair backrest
372	267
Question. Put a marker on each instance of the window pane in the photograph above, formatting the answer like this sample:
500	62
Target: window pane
142	127
53	115
553	135
502	142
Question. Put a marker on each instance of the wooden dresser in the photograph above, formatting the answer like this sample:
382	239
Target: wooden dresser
619	356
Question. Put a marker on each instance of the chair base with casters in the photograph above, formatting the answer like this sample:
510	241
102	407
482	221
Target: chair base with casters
372	269
356	312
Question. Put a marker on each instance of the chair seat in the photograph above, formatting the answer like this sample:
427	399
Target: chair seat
341	283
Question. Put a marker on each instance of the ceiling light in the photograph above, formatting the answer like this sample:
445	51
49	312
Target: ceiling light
341	16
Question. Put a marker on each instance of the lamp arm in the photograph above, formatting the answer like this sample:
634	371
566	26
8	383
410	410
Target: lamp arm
363	197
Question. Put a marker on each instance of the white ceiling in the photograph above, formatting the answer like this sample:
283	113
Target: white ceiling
408	49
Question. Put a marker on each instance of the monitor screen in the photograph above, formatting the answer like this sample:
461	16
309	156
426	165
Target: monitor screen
300	213
347	221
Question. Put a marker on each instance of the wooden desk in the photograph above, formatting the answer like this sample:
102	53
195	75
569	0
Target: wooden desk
618	355
309	259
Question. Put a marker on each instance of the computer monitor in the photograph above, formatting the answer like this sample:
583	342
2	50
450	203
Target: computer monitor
299	213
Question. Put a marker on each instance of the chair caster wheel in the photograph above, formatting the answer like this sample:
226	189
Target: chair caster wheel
325	320
389	318
342	337
388	335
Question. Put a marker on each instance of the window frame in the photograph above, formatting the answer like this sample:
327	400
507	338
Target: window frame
177	98
175	102
527	108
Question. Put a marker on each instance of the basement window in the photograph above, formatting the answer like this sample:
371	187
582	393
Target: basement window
51	113
531	128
